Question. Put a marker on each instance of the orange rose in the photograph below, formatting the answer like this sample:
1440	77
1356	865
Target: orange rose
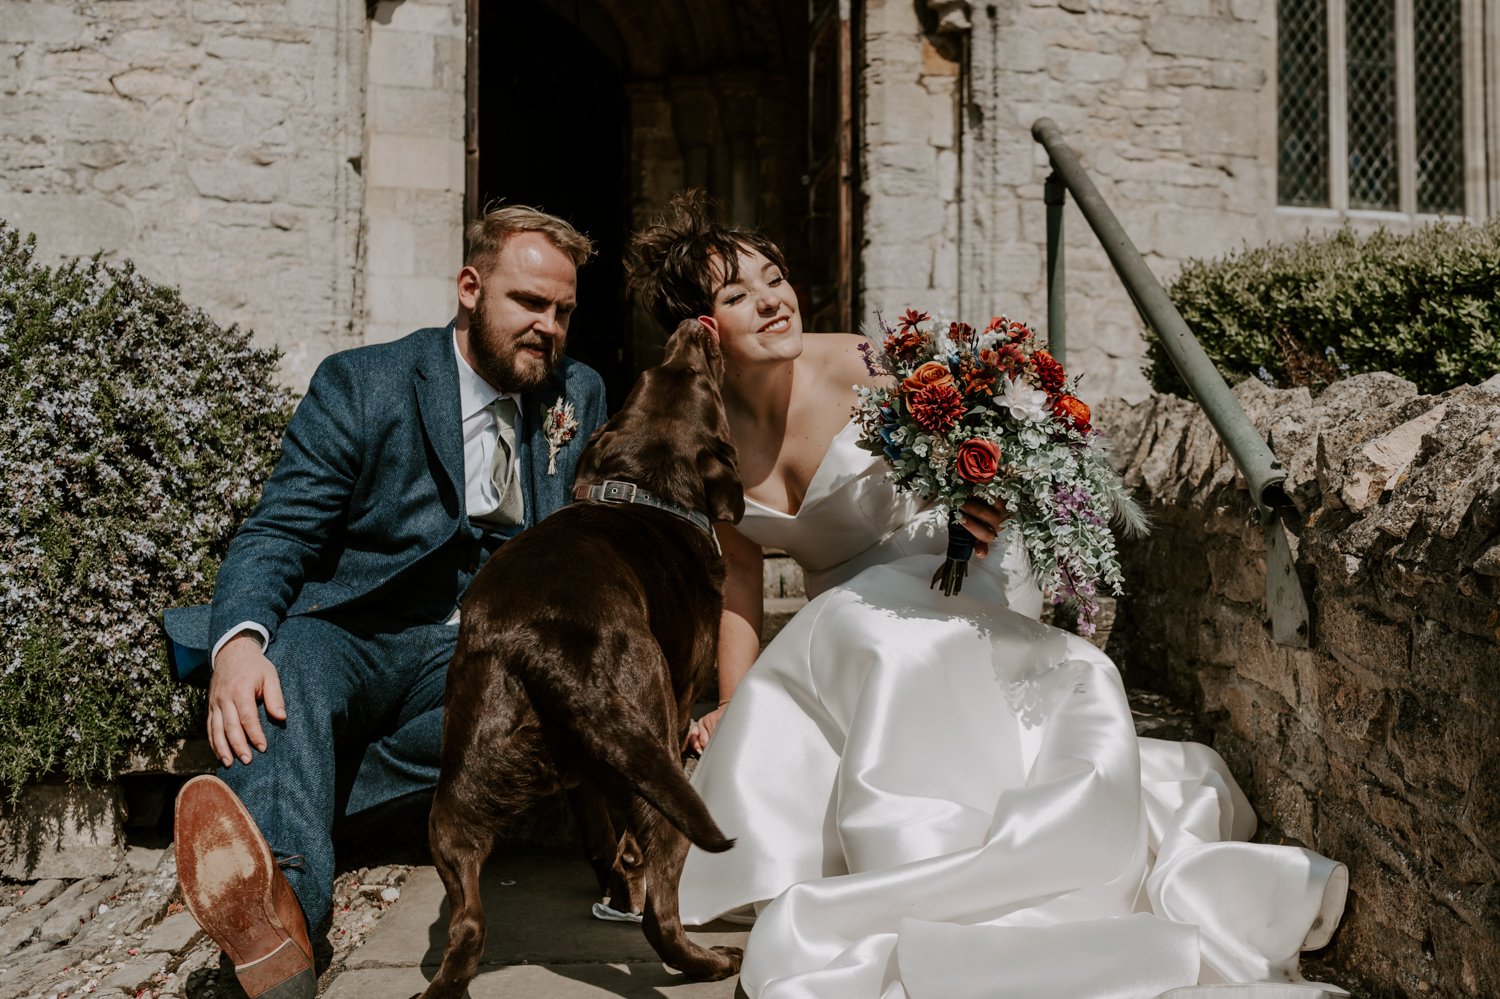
929	375
977	460
1074	410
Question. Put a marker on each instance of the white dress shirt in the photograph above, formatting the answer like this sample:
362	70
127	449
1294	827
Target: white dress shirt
481	437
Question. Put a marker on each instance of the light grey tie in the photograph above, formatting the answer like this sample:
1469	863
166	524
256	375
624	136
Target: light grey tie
502	470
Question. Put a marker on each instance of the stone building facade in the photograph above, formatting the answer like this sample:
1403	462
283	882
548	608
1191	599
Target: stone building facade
305	167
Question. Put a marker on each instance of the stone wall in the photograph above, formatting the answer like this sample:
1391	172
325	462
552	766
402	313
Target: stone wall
414	182
1170	105
909	159
216	144
1171	108
1375	745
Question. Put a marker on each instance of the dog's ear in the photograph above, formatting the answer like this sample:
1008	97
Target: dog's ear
689	335
722	493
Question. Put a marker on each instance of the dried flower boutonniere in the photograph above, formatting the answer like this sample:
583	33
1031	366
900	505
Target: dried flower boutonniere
560	426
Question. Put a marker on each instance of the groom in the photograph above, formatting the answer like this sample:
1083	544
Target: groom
336	609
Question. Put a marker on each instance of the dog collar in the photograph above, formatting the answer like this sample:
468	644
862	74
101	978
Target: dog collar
616	491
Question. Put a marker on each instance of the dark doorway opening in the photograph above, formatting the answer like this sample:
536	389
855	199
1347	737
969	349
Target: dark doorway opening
552	132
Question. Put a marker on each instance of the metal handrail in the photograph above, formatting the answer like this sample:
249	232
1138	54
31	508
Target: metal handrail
1255	460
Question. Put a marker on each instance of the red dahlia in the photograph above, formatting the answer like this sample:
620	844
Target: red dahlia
1049	372
936	408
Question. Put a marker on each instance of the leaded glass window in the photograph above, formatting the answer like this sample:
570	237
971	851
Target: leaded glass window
1373	180
1436	31
1302	103
1370	105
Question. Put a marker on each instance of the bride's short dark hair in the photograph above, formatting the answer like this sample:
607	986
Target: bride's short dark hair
675	261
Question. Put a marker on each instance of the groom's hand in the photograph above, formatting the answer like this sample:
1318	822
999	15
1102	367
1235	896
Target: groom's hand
984	522
242	677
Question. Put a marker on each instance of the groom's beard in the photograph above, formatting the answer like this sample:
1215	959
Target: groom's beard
501	362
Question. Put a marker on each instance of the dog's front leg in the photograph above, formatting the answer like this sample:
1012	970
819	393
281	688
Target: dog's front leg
666	851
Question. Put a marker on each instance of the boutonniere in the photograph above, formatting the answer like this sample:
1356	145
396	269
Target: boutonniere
560	426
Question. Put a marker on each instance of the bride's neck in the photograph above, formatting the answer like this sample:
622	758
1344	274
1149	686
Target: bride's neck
760	394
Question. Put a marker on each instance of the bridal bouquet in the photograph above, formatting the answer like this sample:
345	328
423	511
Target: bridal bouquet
991	415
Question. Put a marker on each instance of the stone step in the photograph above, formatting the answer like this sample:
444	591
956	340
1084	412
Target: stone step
782	577
777	612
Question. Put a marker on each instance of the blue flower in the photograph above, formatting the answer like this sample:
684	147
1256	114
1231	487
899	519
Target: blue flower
886	433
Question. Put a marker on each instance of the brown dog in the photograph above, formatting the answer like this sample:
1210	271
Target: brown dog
583	645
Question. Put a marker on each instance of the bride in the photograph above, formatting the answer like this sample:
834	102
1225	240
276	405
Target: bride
937	796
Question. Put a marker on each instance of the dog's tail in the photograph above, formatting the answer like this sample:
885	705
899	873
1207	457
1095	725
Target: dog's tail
618	736
656	776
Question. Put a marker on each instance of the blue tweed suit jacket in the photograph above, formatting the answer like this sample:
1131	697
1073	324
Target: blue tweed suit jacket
370	483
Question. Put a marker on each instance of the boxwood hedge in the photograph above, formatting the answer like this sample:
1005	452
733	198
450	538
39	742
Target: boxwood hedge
1424	305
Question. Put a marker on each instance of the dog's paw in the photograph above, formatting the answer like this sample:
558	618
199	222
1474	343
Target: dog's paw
732	956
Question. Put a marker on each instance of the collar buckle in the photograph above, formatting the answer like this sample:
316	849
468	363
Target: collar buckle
615	491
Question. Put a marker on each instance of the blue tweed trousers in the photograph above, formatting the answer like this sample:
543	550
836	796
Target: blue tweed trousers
364	704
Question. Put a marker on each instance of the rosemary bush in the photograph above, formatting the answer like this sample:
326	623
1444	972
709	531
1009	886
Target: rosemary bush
1425	306
134	436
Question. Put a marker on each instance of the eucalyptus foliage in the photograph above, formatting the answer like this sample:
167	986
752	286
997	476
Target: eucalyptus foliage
1425	306
134	435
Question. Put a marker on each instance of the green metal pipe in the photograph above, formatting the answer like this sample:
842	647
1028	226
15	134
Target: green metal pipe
1262	472
1057	301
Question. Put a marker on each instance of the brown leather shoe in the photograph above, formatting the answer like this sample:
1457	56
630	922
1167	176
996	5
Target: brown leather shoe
238	895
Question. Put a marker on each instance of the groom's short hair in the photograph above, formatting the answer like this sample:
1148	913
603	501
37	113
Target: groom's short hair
485	236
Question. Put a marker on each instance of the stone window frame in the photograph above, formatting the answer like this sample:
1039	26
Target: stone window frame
1480	21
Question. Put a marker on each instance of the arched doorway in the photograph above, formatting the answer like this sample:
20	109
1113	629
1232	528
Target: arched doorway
601	110
549	115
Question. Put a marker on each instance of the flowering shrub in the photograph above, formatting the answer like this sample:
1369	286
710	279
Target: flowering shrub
1423	305
134	436
988	414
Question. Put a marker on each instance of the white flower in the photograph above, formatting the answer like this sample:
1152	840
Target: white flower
1023	401
559	426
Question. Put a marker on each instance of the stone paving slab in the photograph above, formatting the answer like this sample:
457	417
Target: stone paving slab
538	981
540	939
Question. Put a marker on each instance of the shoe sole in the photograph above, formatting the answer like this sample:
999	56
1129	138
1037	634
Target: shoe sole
226	870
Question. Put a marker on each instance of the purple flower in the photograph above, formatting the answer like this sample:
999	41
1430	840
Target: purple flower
1074	502
867	354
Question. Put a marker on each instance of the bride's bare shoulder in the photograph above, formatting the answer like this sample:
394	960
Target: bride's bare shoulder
838	357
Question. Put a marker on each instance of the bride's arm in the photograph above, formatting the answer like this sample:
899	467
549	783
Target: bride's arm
739	627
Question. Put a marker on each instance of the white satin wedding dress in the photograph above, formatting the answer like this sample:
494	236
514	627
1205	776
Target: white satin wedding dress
940	797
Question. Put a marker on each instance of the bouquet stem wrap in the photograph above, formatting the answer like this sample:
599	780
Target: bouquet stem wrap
956	565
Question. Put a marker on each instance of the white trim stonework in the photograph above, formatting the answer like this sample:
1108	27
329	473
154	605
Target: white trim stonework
414	181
